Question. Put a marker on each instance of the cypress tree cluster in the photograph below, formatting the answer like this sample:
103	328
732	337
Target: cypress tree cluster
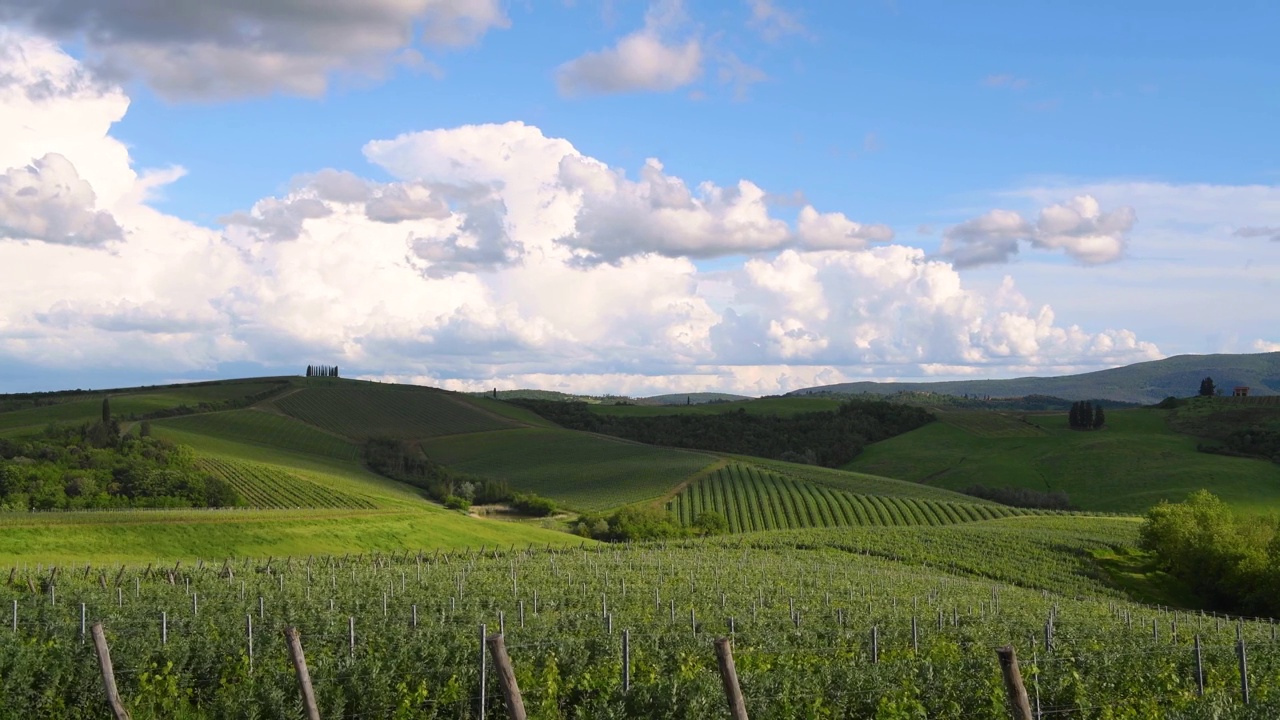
1085	415
322	371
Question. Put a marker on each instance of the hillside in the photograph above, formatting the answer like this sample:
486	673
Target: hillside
1131	464
1147	382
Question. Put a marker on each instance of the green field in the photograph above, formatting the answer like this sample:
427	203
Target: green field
364	410
1128	466
862	483
269	486
764	406
754	499
992	424
256	427
580	470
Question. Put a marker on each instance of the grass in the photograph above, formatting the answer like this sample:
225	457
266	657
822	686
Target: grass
146	536
579	470
992	424
754	499
1217	417
363	410
784	406
1128	466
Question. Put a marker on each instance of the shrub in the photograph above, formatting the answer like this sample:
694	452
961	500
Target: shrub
531	504
710	522
457	502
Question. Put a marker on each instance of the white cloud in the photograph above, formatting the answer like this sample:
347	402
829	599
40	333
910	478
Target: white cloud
497	255
1005	80
773	22
647	60
1078	226
219	50
1266	346
48	201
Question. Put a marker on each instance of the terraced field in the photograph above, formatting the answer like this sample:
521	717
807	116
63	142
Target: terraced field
265	486
579	470
752	499
263	429
363	410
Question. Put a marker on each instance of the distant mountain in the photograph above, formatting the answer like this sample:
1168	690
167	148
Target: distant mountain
1146	382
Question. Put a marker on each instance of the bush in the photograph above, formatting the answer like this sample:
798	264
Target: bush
457	502
631	523
531	504
710	522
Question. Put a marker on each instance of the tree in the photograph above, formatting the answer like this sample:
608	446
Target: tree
335	371
1206	387
106	410
1099	418
1073	417
710	522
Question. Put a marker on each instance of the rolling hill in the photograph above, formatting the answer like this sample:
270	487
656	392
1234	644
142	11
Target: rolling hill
1147	382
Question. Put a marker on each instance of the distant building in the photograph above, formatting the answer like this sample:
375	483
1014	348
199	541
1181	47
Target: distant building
1240	391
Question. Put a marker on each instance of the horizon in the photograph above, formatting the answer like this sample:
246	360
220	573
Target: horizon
747	197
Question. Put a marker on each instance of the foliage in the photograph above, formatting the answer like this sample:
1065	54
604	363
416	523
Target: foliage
629	524
1085	415
710	522
1022	497
93	466
1231	562
533	505
832	438
1206	387
457	502
404	461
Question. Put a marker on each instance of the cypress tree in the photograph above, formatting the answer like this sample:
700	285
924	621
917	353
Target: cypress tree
308	371
1073	418
1206	387
1099	418
106	410
1086	415
335	371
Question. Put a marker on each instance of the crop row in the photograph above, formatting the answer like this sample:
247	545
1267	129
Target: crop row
262	429
990	424
754	499
816	634
363	412
266	487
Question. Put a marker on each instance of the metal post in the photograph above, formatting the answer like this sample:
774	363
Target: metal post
626	661
483	670
1199	669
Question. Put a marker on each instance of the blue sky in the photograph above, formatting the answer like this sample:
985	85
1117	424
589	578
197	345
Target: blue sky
966	166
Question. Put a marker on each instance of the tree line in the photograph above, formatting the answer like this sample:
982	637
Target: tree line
830	438
322	371
1085	415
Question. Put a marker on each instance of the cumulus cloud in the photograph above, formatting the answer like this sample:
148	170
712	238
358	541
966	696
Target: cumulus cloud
235	49
472	272
49	201
1078	227
1271	233
646	60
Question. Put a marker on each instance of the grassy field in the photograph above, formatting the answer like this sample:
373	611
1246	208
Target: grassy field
363	410
160	535
1130	465
580	470
992	424
754	499
764	406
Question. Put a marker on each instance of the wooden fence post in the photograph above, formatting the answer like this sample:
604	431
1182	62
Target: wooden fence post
108	675
506	677
304	677
729	676
1018	700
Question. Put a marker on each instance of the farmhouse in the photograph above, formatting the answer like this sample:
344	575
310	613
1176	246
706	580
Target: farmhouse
1240	391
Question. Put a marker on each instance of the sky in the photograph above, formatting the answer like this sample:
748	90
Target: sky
617	196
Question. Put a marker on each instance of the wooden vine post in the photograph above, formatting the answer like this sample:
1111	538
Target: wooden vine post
304	677
506	677
729	676
108	674
1018	700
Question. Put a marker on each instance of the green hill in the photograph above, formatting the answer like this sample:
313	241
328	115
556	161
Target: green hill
1146	382
1133	463
784	406
580	470
362	410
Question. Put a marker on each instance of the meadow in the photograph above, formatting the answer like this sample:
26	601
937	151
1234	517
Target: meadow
869	623
1133	463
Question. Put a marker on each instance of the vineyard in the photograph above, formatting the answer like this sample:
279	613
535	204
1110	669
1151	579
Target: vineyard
991	424
824	625
863	484
265	486
366	410
754	499
579	470
763	406
254	427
